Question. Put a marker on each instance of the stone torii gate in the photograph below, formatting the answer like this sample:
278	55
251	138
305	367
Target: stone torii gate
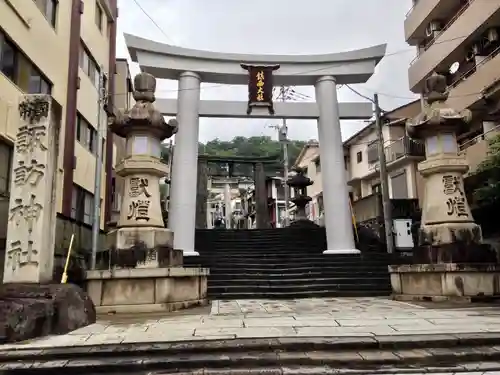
258	167
324	72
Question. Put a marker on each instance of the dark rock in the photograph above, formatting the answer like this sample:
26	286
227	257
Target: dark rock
31	310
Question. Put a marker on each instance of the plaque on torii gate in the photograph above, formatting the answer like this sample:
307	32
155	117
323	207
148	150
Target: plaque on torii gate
260	86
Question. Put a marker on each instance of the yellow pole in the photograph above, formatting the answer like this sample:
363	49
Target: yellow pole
354	221
64	278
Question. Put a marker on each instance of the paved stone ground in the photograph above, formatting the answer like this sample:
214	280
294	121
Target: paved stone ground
292	318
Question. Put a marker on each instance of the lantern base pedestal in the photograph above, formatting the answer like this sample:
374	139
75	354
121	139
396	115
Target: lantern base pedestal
140	247
141	272
467	282
452	243
147	290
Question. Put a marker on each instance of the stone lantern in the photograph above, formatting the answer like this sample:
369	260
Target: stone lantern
143	273
141	229
299	182
447	227
451	262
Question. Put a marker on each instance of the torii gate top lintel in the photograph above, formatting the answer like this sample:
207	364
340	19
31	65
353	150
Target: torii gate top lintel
165	61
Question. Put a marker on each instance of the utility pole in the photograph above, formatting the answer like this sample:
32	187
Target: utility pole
96	224
283	138
384	182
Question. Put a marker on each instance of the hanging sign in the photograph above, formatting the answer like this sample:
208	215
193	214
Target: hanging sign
260	86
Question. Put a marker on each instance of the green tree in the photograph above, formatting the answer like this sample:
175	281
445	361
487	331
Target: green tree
489	172
257	146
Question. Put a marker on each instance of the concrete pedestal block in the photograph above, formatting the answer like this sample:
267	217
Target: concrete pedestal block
140	247
445	281
147	289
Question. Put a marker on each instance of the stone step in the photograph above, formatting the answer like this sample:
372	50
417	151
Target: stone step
216	275
257	248
288	262
304	281
292	258
383	292
445	354
224	268
308	287
290	255
284	265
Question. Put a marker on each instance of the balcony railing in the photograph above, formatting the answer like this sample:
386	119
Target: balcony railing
415	2
472	70
445	27
397	149
404	146
464	146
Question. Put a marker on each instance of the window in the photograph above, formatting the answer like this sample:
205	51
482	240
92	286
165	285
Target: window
6	152
20	70
399	185
86	134
82	205
359	157
49	10
8	59
317	162
98	15
103	149
321	205
372	152
89	65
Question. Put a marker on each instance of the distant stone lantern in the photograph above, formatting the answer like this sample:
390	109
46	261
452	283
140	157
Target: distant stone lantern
447	228
141	225
299	182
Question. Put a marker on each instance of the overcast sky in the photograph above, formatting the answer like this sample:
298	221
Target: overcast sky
284	27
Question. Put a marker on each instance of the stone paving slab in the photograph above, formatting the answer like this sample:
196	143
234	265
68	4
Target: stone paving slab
330	317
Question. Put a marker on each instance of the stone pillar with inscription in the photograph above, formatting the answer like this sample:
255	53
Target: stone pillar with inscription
448	232
140	238
29	255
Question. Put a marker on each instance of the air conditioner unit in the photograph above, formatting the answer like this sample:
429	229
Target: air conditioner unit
491	37
433	28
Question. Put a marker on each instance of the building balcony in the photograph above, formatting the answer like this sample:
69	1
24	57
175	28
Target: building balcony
476	149
467	89
452	41
398	149
421	14
404	147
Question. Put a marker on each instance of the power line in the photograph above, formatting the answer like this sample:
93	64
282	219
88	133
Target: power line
398	52
152	20
294	95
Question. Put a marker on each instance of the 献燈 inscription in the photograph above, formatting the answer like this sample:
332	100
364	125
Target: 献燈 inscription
456	204
139	210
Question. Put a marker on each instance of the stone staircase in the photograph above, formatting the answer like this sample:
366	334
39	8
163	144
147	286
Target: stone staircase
285	263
